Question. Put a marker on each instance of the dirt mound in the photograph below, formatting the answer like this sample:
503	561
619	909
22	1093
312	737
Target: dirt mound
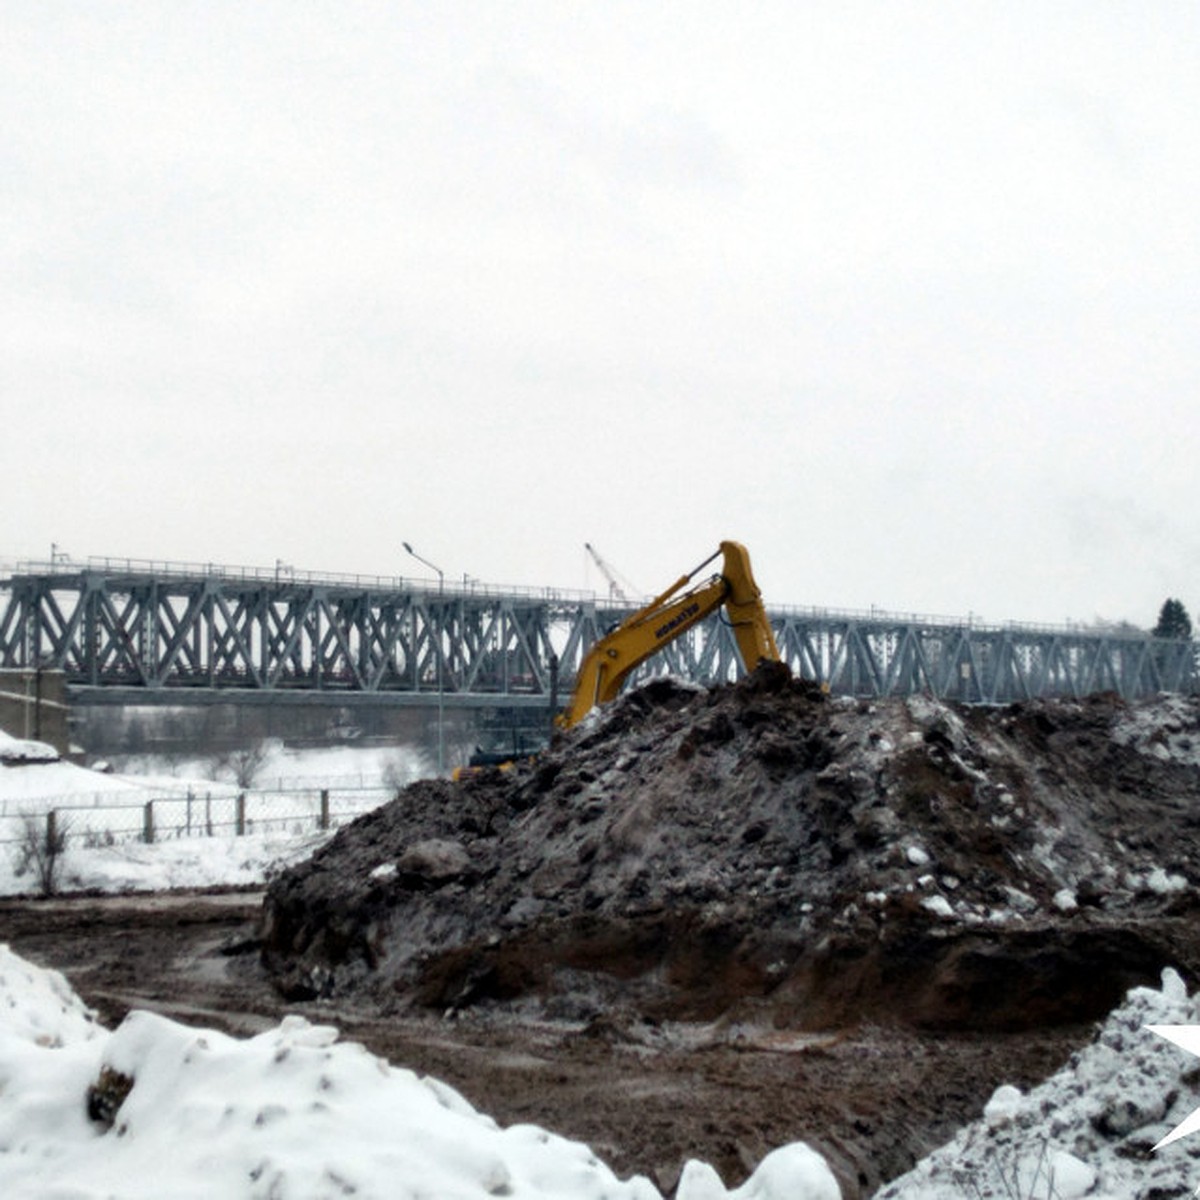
762	850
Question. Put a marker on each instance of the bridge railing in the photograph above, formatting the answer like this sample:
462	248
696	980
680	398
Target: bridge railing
283	574
280	576
942	621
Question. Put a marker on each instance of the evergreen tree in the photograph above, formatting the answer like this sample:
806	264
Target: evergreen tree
1173	621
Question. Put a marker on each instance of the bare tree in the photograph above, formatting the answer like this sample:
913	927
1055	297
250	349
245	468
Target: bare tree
245	763
41	848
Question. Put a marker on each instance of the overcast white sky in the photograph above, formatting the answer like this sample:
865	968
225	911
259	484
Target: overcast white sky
903	296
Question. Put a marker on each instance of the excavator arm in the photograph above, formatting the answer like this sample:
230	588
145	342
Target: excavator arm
669	615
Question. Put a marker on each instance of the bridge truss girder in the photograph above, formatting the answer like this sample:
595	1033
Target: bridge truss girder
989	665
172	636
166	637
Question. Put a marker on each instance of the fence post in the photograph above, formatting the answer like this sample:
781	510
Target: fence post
51	832
208	813
241	814
148	823
324	808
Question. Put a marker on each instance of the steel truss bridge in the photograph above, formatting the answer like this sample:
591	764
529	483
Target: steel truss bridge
138	632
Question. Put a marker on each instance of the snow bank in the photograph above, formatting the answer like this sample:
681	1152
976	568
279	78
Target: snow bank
20	750
197	862
102	815
1091	1129
38	1006
291	1113
133	866
35	784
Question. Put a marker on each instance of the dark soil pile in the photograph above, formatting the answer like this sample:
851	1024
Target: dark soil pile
763	852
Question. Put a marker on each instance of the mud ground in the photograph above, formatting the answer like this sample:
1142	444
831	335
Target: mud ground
645	1096
762	851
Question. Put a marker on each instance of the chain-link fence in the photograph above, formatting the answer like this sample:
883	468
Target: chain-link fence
211	813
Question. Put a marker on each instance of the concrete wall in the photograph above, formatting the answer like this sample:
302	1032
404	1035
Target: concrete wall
33	705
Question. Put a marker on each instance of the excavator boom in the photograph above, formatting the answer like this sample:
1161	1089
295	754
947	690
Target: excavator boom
672	613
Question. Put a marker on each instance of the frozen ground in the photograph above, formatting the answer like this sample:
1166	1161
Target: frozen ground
295	1113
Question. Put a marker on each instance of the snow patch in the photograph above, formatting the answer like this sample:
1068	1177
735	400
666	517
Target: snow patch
15	751
1090	1129
291	1112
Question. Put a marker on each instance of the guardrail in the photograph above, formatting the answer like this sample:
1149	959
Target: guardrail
284	575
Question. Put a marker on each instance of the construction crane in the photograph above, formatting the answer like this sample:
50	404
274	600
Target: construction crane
615	590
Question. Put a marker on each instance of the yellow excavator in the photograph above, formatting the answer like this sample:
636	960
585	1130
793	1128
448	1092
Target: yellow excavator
672	613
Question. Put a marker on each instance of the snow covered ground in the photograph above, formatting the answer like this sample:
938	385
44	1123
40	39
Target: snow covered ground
155	1109
294	1113
103	813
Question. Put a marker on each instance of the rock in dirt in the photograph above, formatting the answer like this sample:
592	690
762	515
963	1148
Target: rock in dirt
764	850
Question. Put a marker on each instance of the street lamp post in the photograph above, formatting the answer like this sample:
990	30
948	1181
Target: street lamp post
441	742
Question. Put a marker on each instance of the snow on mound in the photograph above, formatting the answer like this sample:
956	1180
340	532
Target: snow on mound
1091	1129
183	1112
39	1006
1164	729
31	780
17	750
